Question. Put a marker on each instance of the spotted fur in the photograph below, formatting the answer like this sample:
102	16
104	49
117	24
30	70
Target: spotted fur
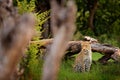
83	60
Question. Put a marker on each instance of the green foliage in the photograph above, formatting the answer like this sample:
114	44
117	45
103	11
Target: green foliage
78	36
96	56
111	41
25	6
97	72
106	21
88	32
107	30
32	63
40	20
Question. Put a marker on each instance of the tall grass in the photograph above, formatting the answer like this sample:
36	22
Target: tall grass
110	71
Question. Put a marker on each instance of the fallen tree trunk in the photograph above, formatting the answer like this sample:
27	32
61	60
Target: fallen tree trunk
74	47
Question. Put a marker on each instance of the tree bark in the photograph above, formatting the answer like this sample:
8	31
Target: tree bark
15	33
92	6
63	27
74	47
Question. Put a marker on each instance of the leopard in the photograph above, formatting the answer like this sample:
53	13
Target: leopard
83	60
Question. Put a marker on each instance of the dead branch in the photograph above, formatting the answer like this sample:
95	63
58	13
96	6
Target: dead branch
15	33
62	21
88	38
74	47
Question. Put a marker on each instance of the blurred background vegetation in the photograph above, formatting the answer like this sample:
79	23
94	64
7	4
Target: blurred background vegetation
96	18
105	23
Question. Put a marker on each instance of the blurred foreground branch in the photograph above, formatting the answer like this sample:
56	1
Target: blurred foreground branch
63	27
15	33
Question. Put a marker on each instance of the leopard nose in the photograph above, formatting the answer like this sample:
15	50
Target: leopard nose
84	49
